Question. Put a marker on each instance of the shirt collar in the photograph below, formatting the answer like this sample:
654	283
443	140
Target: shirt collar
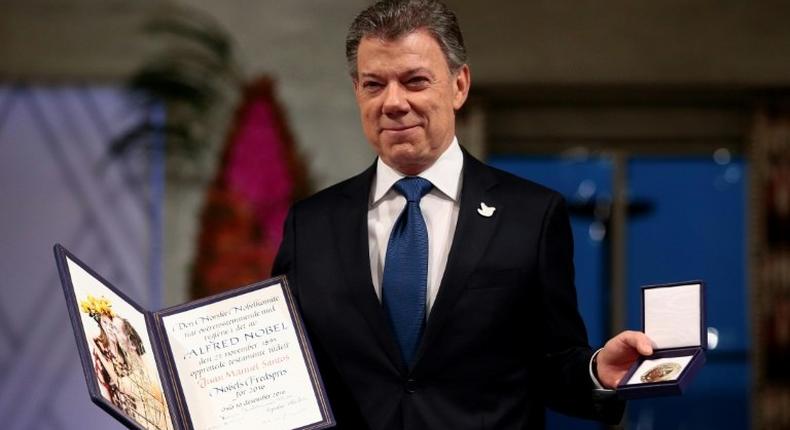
444	174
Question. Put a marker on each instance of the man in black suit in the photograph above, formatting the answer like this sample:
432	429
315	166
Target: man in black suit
439	292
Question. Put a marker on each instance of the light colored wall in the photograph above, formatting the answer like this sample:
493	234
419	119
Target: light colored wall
301	44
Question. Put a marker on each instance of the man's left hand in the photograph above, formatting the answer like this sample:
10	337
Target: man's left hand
619	354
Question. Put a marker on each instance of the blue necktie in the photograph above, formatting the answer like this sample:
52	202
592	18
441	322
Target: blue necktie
405	278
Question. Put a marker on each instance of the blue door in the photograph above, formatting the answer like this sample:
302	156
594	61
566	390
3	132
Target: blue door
692	226
696	230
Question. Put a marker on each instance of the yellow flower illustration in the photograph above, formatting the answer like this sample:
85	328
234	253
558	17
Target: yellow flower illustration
96	307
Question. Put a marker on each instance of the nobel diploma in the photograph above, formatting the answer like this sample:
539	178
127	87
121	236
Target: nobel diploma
240	364
239	360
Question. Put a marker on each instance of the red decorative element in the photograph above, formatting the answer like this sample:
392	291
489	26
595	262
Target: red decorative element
259	176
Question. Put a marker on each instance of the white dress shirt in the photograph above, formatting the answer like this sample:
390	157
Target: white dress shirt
439	208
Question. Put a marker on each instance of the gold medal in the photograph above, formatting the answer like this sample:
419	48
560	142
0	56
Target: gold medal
662	372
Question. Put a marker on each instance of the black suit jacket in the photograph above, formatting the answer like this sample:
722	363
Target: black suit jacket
503	339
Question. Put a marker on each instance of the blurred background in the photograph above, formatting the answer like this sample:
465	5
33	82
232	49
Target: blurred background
162	142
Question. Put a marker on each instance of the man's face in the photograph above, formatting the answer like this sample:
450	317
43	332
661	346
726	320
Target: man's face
407	99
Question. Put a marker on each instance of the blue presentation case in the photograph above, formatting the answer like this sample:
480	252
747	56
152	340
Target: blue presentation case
673	316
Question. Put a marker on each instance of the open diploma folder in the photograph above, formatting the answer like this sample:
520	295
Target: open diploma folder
238	360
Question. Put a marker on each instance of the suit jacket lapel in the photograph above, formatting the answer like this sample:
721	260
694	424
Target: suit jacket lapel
351	226
472	234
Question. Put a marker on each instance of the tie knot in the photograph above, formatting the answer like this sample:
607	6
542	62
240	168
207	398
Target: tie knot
413	187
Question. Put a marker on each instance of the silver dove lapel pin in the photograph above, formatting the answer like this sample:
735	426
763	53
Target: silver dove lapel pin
485	210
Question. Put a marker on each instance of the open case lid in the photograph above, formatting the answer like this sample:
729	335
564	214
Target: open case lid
673	315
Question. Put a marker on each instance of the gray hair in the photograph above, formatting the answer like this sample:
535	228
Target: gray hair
392	19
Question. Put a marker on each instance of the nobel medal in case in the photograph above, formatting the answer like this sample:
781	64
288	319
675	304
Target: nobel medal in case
673	317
